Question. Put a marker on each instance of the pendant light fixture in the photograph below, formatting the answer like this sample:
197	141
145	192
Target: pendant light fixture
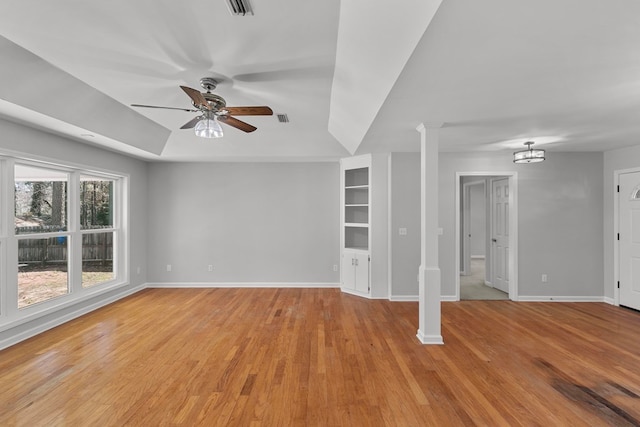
530	155
209	127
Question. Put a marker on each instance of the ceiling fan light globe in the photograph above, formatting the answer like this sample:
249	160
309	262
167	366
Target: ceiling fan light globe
208	128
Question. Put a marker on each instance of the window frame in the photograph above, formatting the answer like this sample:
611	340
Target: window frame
10	314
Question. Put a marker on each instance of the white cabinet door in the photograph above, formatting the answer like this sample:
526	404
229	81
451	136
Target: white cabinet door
355	271
348	273
362	272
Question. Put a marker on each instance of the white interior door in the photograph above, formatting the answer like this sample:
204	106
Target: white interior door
500	234
629	243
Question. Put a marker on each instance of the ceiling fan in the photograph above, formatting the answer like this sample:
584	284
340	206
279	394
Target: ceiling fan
213	111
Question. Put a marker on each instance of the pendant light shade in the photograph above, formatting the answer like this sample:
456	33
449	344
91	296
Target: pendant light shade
530	155
208	128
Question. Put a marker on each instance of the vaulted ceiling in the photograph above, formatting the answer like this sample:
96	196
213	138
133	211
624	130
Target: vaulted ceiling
353	77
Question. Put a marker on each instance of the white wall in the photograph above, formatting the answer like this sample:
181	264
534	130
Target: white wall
560	221
258	223
20	140
614	160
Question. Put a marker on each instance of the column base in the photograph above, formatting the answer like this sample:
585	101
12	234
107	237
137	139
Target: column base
429	339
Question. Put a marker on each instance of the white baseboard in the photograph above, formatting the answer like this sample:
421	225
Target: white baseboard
453	298
430	339
42	327
527	298
403	298
611	301
414	298
242	285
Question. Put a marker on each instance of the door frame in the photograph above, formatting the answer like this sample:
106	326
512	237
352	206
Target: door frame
616	230
513	227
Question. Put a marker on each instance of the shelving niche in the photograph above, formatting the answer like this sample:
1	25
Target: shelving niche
355	181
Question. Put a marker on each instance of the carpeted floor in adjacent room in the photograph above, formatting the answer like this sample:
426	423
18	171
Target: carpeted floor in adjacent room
472	287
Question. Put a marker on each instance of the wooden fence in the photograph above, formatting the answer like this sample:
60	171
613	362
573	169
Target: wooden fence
96	247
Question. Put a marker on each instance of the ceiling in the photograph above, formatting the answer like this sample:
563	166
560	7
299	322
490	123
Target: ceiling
353	77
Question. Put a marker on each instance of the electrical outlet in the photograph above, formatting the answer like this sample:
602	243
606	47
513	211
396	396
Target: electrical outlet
402	231
335	267
168	267
544	278
210	267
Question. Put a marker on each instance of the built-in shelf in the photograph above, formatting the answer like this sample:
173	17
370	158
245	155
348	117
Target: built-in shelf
356	208
355	220
357	248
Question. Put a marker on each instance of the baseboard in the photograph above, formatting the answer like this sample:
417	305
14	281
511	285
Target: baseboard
242	285
477	256
414	298
430	339
528	298
403	298
42	327
611	301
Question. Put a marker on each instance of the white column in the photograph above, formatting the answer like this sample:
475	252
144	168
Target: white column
429	274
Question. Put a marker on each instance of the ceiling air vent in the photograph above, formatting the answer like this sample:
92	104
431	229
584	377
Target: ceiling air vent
239	7
283	118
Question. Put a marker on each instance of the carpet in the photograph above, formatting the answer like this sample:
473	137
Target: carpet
472	287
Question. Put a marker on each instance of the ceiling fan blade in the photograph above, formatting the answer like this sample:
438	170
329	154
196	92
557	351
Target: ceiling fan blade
196	97
165	108
191	123
249	111
238	124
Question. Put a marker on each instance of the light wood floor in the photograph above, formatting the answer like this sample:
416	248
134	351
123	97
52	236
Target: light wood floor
281	357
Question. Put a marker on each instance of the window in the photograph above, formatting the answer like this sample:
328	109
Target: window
96	213
66	239
41	210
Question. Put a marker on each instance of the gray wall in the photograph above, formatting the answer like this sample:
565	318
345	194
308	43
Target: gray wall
477	220
379	245
259	223
560	221
24	141
405	213
614	160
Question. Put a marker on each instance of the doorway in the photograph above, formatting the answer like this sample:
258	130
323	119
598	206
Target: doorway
628	239
486	239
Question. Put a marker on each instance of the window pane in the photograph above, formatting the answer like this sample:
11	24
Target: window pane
96	202
97	258
40	200
42	270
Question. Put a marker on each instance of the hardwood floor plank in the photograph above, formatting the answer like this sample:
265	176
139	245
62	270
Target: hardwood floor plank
317	357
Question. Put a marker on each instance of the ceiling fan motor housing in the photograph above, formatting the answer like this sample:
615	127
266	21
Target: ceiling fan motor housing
215	101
